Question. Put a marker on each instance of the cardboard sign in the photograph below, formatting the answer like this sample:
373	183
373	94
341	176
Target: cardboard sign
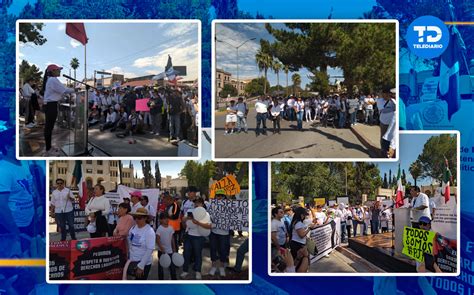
229	184
320	201
229	214
141	105
416	242
88	259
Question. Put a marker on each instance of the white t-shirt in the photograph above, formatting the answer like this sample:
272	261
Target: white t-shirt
141	245
98	204
60	200
294	235
387	110
261	106
166	236
27	90
320	217
279	227
432	205
369	103
290	102
135	207
151	210
111	117
422	199
192	229
299	106
187	205
16	180
54	90
277	108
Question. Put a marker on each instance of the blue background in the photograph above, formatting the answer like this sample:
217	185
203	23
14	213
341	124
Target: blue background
31	279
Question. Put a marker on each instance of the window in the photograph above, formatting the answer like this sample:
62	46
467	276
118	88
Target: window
100	162
89	162
100	172
88	170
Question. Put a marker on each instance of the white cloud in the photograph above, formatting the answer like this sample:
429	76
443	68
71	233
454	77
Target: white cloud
61	27
119	70
61	47
181	54
152	72
74	43
20	54
178	29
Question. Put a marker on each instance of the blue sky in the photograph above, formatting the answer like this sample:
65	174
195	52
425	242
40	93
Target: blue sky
236	34
132	49
411	145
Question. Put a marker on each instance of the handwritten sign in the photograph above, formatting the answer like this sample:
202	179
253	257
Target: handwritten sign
229	184
320	201
416	242
141	105
229	214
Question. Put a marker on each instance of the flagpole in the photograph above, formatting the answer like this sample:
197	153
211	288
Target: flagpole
86	105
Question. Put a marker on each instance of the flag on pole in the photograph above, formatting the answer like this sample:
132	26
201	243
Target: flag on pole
77	31
79	180
446	181
449	68
400	190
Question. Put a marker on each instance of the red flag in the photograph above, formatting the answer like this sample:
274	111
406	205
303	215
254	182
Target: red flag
400	190
77	31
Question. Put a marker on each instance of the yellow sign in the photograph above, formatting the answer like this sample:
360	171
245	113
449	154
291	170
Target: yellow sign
229	184
301	200
320	201
417	242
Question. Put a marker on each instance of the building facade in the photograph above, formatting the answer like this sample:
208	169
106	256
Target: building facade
222	78
177	185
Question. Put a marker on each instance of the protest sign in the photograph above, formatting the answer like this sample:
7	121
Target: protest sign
445	253
301	201
445	218
320	201
416	242
59	260
229	214
88	259
229	184
141	105
344	200
325	237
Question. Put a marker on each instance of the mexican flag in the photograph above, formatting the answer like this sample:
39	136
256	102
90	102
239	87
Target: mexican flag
78	178
446	181
400	190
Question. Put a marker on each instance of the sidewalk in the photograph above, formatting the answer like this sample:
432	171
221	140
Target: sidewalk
369	135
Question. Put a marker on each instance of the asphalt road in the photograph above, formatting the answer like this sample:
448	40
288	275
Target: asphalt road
313	142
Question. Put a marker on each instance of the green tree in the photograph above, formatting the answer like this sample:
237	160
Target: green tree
415	170
264	62
157	175
320	82
296	79
286	69
257	86
276	67
435	151
74	65
227	90
31	32
29	72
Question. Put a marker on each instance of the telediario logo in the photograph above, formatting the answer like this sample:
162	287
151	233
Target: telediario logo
427	37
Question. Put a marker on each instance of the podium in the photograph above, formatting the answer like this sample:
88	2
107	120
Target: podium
402	219
79	126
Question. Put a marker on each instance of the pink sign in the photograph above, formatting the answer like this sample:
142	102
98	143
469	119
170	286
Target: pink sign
141	105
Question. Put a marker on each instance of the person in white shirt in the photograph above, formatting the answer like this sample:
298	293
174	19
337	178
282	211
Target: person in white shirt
62	203
420	205
369	109
242	111
275	111
99	208
279	235
261	106
111	119
230	118
386	107
135	201
299	231
27	92
166	245
53	91
299	110
290	103
219	245
141	243
151	210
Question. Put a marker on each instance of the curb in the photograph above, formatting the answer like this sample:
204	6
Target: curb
373	150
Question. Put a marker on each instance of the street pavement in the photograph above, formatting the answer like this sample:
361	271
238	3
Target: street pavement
315	141
32	144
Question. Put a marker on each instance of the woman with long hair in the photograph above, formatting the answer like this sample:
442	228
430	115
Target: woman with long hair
298	231
52	92
98	208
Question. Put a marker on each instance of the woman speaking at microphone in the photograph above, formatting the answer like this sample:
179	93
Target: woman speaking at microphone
52	92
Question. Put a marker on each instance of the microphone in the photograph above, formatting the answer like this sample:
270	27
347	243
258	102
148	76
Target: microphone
69	77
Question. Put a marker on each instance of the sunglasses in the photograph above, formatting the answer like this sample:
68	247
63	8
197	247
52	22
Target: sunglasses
424	223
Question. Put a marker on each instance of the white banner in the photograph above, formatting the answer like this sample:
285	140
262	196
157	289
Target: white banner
153	194
326	238
445	217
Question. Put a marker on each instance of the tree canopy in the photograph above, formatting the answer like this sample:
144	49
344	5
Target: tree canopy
228	89
31	32
29	72
256	86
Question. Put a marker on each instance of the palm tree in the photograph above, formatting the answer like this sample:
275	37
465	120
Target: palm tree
264	62
74	65
286	69
296	78
276	67
415	170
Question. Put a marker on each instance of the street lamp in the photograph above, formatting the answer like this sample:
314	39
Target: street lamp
237	48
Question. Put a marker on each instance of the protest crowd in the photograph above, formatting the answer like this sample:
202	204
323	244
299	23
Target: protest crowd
339	111
178	231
